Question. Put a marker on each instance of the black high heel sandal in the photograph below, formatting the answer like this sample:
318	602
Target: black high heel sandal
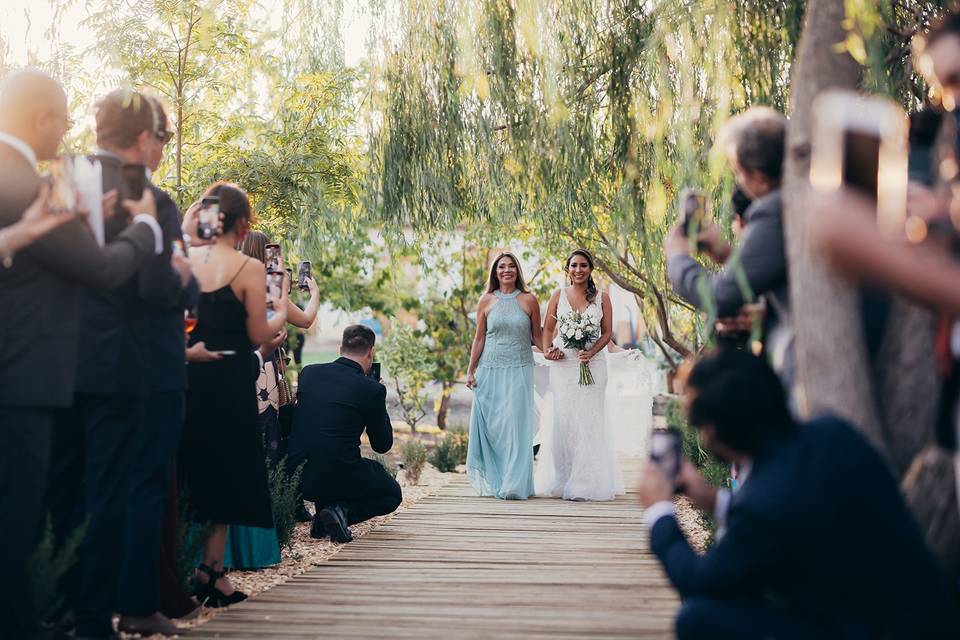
208	594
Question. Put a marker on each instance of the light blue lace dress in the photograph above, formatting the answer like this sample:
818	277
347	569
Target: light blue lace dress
500	451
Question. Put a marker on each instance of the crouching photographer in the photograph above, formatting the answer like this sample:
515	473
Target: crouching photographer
806	548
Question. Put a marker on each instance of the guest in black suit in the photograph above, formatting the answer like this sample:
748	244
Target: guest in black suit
95	439
165	295
818	541
336	402
40	296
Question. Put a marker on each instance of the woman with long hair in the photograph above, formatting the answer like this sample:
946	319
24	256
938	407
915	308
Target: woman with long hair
577	459
222	462
500	450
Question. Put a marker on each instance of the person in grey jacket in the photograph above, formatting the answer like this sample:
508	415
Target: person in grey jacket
758	266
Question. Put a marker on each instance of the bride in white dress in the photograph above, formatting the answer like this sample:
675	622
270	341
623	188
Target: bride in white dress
577	460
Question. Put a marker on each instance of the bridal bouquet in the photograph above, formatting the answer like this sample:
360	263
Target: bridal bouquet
577	329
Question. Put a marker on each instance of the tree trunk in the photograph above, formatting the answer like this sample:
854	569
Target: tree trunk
832	366
444	407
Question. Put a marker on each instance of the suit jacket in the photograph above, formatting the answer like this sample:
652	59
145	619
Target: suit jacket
820	525
166	299
762	256
336	402
40	293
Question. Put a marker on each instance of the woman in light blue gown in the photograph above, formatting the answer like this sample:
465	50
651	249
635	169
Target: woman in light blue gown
500	451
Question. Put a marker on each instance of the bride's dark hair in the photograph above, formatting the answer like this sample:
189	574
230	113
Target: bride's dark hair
493	282
591	285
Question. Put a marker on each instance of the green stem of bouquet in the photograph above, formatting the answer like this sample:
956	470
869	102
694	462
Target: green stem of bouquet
586	377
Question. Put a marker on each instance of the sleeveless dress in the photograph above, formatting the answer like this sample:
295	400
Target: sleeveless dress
577	458
500	449
221	462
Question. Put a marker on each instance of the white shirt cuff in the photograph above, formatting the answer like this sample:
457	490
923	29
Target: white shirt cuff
151	222
656	511
259	355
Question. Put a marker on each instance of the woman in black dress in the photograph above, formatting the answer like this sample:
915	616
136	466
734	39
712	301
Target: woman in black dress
221	461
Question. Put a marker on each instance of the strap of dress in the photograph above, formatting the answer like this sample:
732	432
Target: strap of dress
239	270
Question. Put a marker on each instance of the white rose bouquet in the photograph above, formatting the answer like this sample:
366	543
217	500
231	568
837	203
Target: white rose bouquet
577	329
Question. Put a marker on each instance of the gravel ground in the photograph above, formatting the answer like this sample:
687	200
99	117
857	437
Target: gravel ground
307	553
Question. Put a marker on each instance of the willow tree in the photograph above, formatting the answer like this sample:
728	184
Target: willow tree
574	123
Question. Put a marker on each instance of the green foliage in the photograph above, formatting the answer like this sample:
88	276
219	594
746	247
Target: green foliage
43	601
450	452
386	464
284	499
414	456
407	361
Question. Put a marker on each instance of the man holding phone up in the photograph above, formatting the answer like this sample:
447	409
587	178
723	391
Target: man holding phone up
96	440
754	142
807	551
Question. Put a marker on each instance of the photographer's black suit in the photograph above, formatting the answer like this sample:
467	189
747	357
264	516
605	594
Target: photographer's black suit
95	441
819	544
39	331
335	403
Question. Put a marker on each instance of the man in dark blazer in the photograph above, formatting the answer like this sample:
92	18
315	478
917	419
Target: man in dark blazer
40	297
336	402
818	542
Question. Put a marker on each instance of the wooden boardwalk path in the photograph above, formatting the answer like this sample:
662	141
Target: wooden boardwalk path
458	566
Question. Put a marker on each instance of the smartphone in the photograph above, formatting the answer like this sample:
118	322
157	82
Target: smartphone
289	280
666	451
693	210
374	372
208	217
274	287
63	185
133	180
271	257
304	274
860	142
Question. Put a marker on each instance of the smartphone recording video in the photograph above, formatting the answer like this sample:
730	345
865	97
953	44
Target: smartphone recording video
860	143
133	180
303	275
63	186
693	210
208	217
274	290
271	257
666	452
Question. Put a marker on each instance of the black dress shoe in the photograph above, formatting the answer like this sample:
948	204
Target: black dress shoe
317	530
335	524
302	514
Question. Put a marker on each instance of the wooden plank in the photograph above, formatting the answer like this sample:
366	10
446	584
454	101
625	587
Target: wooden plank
458	565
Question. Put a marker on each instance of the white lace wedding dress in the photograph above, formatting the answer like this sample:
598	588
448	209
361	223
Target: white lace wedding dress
577	459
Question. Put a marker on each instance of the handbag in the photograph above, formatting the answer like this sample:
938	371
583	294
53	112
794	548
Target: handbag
283	386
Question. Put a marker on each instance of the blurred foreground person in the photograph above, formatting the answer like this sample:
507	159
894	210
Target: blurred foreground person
818	542
40	293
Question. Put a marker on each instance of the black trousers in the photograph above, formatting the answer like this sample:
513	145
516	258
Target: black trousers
364	489
92	451
24	463
153	452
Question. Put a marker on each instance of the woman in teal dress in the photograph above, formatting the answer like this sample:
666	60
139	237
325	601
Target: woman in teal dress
500	451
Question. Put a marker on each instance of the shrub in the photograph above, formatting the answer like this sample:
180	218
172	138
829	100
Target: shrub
43	600
451	451
414	456
284	498
407	361
386	464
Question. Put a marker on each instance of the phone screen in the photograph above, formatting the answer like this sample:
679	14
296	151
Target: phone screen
693	209
666	452
271	257
374	371
861	161
208	217
303	274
